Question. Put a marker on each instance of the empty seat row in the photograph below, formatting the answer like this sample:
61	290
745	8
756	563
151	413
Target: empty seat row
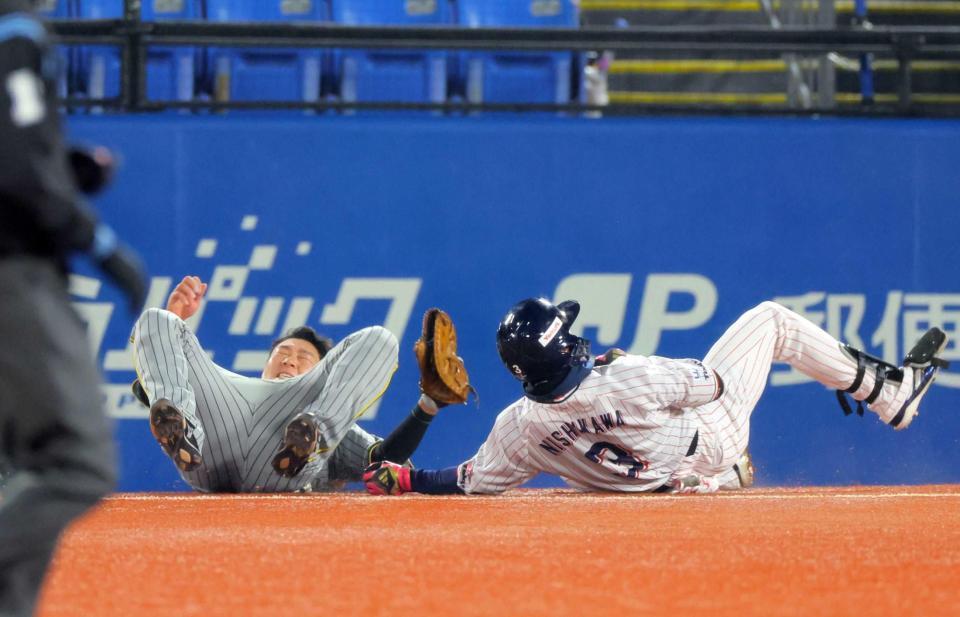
308	74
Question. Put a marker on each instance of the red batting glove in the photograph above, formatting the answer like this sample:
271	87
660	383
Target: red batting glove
386	478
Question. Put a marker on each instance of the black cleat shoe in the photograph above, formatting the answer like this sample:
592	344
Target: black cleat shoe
299	443
175	435
920	367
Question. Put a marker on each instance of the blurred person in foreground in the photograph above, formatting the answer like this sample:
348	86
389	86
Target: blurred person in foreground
55	439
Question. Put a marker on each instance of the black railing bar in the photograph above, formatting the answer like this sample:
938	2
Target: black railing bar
923	49
747	38
616	109
587	36
664	45
158	105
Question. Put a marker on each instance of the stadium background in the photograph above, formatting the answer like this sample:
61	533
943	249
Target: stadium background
473	214
666	228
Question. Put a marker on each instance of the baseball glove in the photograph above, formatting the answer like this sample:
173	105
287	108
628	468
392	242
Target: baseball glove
443	377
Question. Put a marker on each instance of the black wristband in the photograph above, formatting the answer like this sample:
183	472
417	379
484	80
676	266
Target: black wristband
422	416
403	441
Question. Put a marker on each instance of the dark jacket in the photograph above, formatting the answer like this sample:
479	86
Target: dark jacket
41	213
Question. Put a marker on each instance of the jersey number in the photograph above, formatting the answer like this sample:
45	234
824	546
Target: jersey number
627	465
26	97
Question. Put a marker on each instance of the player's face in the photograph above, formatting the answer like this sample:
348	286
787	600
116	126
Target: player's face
290	358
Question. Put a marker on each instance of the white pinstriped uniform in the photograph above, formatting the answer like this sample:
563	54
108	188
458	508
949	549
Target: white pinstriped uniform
241	420
631	424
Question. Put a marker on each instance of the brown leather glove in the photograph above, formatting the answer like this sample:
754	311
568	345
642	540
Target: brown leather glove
443	377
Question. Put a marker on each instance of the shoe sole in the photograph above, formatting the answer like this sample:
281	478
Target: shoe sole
299	443
935	340
168	427
924	353
911	407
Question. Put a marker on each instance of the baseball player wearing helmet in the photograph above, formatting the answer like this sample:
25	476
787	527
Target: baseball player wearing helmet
632	423
294	429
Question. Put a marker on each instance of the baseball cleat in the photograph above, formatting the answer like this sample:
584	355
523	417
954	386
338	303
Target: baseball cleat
921	365
745	470
175	435
299	442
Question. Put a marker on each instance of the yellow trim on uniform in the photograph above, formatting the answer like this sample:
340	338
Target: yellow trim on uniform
685	98
370	451
747	6
364	409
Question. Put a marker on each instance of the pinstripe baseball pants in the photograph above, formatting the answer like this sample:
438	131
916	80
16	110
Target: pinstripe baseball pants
743	357
240	420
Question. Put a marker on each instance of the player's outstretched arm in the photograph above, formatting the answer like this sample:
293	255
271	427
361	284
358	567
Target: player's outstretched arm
401	443
500	464
386	478
443	381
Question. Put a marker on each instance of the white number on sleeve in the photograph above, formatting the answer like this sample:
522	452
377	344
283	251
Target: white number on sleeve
26	96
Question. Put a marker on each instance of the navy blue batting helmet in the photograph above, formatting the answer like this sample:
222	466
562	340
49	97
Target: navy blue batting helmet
536	346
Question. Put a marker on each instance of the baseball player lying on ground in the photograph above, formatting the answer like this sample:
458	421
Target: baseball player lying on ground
294	428
630	423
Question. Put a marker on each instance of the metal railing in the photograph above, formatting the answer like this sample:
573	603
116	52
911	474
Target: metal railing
134	37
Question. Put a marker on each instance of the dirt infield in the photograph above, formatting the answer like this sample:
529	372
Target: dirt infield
850	551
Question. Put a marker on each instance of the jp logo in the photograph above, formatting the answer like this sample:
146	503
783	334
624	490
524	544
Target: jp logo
603	305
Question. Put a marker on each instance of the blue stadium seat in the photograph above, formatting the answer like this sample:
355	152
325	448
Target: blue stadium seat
98	67
171	71
59	9
518	77
391	75
266	74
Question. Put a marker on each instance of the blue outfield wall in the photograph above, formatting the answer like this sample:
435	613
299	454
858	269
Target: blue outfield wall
665	229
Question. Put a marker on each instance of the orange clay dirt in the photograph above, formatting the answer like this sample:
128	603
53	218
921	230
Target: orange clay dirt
838	551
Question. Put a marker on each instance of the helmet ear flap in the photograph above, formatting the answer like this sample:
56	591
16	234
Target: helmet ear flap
570	310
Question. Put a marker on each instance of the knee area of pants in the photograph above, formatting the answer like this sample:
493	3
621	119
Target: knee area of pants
769	306
381	336
154	315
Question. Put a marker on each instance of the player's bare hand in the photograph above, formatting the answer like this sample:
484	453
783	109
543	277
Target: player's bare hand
186	297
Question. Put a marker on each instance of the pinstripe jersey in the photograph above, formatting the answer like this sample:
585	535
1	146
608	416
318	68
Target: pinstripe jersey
240	420
624	429
631	424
